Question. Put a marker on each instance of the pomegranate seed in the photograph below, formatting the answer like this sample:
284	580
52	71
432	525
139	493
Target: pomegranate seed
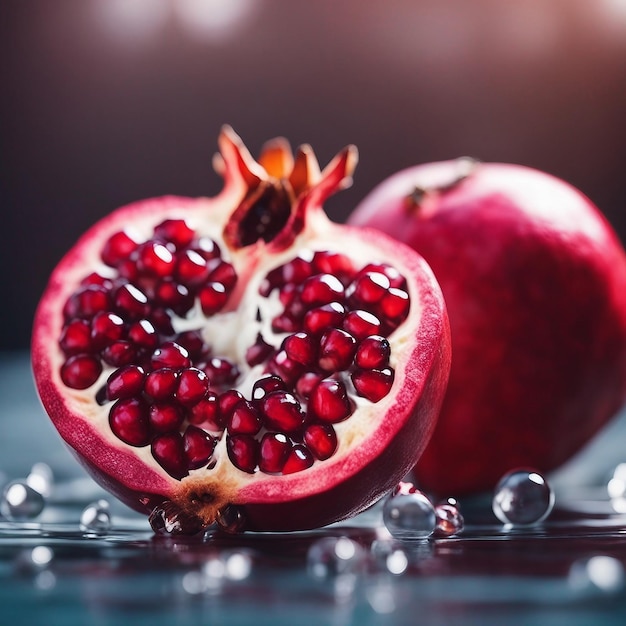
168	450
193	385
212	297
119	353
191	268
81	371
300	348
207	413
161	384
275	448
361	324
395	278
155	259
125	382
118	247
321	289
174	231
335	263
221	371
193	342
321	440
296	271
273	280
263	386
299	459
76	337
173	295
161	320
127	268
329	401
227	402
373	384
199	446
170	354
288	294
105	329
258	352
131	302
243	452
165	417
284	367
86	302
284	323
369	287
337	348
143	334
96	279
319	319
245	419
222	272
207	248
395	304
373	352
306	383
128	420
282	411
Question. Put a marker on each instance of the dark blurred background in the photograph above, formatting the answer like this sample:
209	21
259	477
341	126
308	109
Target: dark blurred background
103	102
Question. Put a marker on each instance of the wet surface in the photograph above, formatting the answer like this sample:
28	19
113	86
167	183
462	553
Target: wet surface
570	569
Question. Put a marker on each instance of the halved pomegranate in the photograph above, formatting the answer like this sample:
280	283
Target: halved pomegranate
242	359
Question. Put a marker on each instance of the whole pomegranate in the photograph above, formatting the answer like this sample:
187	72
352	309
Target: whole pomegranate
242	360
534	280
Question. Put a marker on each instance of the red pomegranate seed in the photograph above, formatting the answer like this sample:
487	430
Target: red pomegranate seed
127	268
284	323
199	446
243	452
105	329
131	302
174	231
335	263
165	417
284	367
207	413
395	304
161	383
119	353
96	279
207	248
273	280
161	320
143	334
193	385
222	272
321	289
226	402
173	295
282	411
76	337
395	278
193	342
128	420
321	440
221	371
125	382
213	297
373	353
117	248
306	383
86	302
258	352
329	401
191	268
301	348
264	386
170	354
275	448
361	324
337	348
155	259
296	271
299	459
373	384
168	450
369	287
245	419
81	371
330	315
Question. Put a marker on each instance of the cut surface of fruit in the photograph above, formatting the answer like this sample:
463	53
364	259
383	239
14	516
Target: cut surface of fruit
236	357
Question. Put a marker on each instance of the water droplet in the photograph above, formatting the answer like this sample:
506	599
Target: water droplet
522	497
96	517
616	488
598	573
335	556
41	479
408	513
20	501
449	520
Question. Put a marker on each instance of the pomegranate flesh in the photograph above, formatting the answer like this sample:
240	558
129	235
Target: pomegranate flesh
242	360
534	280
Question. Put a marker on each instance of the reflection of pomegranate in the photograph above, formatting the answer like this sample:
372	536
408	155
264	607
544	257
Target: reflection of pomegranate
241	358
535	284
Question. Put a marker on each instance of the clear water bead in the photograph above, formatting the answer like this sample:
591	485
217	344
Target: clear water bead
330	557
449	520
522	497
41	479
96	517
408	513
20	501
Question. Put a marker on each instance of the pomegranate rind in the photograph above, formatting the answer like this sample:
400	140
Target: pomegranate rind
535	283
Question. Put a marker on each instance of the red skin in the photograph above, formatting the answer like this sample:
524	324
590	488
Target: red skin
534	279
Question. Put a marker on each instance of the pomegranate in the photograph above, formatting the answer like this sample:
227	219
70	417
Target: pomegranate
242	360
534	280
